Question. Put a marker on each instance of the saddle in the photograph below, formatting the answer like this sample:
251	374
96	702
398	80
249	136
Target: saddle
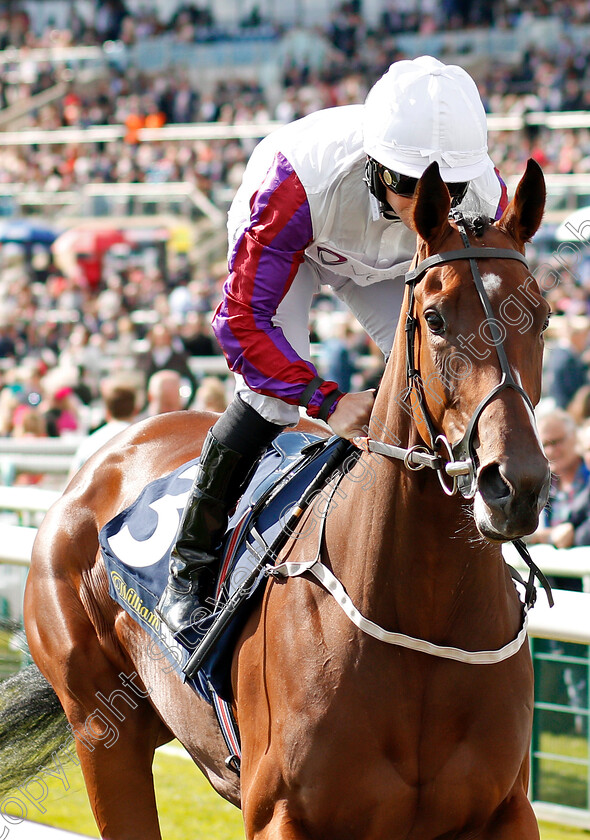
136	546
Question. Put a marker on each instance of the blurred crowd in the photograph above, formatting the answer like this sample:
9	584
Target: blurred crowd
114	20
150	330
540	80
59	338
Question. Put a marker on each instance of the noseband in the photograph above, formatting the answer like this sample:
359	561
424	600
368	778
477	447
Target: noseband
461	454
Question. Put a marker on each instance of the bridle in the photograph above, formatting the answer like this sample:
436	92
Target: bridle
463	450
461	465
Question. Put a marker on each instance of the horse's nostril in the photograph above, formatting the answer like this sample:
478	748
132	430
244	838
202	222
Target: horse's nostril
492	486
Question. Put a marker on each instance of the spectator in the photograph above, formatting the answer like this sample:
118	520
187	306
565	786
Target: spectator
566	368
9	402
166	352
339	356
110	15
579	407
566	519
584	441
28	422
211	395
197	336
164	392
61	409
121	400
543	78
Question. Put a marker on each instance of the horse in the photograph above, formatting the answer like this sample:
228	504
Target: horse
344	735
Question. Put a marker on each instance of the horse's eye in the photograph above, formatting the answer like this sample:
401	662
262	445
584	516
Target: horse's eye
435	323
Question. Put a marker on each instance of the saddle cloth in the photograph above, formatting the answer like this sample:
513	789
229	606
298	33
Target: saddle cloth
136	546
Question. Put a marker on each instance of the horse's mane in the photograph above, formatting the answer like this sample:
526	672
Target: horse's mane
476	224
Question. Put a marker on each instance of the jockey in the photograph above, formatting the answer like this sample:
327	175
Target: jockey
326	199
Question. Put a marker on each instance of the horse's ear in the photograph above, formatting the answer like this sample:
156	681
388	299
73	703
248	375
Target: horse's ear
432	203
522	217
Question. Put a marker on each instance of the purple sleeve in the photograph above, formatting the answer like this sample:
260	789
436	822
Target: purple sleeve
262	267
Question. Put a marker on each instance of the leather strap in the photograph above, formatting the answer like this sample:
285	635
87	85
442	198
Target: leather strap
328	403
310	390
330	582
469	253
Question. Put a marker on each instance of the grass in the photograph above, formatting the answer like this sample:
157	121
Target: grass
561	780
11	659
200	814
556	832
187	805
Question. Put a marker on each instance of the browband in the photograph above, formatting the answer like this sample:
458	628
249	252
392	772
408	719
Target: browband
471	253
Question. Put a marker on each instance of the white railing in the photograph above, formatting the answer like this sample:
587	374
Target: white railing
55	54
210	131
162	194
111	133
27	500
568	620
559	186
16	544
565	562
37	455
547	119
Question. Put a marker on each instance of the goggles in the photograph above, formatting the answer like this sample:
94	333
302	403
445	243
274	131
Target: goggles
405	186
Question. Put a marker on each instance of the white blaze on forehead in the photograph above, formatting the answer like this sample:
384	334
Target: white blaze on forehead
491	283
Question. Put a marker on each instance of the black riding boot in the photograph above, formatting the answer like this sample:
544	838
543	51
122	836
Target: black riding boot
230	450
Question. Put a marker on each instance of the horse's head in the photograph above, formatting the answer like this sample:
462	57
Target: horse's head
474	351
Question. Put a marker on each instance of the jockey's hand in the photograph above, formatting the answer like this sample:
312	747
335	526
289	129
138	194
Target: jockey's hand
350	418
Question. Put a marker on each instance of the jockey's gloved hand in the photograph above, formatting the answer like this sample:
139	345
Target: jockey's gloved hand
350	418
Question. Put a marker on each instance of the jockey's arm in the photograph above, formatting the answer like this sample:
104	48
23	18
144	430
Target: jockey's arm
263	266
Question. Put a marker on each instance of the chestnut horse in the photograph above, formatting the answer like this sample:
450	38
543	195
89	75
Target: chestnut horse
344	735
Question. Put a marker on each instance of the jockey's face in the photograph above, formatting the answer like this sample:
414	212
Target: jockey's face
402	205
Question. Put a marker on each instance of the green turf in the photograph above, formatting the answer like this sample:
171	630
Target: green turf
555	832
11	659
202	814
561	778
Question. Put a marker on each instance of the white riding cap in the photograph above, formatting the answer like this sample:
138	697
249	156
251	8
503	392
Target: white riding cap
422	111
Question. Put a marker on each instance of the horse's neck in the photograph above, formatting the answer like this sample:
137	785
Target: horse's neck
419	547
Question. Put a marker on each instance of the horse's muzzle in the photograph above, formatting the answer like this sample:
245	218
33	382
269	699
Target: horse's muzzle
508	502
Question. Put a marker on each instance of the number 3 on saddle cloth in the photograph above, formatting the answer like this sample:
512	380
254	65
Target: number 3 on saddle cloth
136	548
